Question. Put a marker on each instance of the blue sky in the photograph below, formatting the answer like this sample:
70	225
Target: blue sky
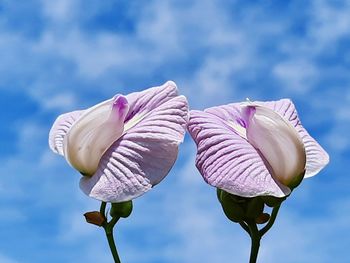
58	56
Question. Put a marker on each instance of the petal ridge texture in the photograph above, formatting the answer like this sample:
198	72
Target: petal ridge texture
144	130
235	148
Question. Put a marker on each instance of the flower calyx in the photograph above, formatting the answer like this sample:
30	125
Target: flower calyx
122	209
239	209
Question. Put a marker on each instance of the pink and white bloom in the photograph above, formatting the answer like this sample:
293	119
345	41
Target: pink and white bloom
254	148
125	145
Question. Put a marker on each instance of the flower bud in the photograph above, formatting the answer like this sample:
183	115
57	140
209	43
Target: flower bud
278	142
93	133
122	209
233	210
255	207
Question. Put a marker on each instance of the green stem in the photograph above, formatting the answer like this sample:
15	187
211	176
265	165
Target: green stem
256	234
112	223
255	238
271	221
108	227
103	208
254	249
111	243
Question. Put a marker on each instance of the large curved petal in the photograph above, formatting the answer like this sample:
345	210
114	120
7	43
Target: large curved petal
231	115
93	133
142	157
227	161
60	129
140	103
228	112
279	142
316	156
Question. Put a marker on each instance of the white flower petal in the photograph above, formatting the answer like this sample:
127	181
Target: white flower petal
93	133
142	157
279	143
316	157
60	128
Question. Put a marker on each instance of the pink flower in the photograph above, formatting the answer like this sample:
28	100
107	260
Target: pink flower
123	146
254	148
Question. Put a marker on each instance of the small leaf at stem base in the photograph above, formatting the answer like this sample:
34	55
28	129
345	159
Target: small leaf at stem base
95	218
262	218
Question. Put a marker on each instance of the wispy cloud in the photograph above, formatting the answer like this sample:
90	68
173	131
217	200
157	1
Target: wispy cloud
69	57
5	259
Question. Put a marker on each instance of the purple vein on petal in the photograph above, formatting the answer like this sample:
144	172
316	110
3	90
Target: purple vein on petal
147	149
147	100
239	170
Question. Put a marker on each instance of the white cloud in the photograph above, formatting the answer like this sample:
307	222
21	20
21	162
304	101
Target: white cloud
337	138
74	228
180	220
62	101
330	23
297	238
298	76
59	10
5	259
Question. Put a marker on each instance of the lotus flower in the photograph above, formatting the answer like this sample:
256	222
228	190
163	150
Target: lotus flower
124	145
254	148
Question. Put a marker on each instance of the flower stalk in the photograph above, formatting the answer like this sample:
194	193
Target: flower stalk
271	221
108	227
250	226
255	238
100	218
255	234
112	246
249	213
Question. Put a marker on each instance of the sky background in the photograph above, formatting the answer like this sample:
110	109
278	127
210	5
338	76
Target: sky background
63	55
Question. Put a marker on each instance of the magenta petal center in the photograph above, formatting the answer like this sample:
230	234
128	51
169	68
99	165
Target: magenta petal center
94	132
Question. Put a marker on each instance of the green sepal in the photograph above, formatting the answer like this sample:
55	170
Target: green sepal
232	209
273	201
122	209
255	207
